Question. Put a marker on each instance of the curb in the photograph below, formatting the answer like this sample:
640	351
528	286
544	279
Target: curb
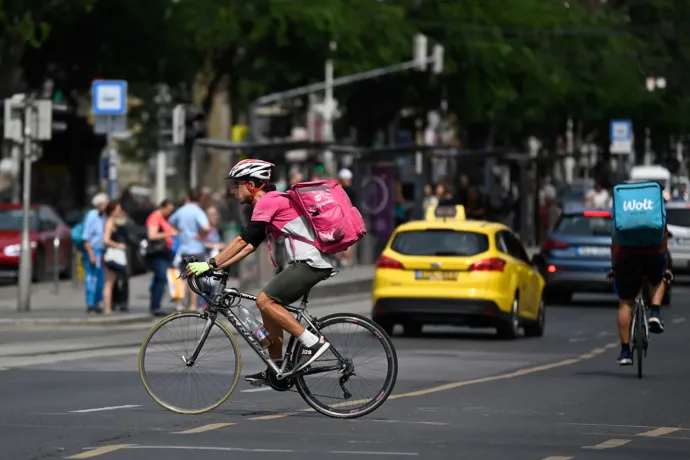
325	290
74	321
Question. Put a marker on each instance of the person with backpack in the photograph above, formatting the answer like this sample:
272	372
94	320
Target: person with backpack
639	248
311	222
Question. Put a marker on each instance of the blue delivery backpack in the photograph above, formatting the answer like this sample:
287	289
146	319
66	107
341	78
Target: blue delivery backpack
638	214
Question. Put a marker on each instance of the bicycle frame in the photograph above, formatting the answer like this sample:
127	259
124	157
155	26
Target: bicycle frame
640	309
226	298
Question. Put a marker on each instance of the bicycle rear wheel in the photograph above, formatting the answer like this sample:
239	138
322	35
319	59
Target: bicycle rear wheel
344	331
639	338
164	353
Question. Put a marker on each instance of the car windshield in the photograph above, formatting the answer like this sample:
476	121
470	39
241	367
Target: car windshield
582	225
440	243
678	216
12	220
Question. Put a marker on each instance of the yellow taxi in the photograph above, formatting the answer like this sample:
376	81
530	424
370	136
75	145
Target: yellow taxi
450	270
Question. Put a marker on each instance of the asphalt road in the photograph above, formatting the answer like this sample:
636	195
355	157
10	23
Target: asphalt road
460	394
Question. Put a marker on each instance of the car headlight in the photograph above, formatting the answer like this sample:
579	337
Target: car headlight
13	250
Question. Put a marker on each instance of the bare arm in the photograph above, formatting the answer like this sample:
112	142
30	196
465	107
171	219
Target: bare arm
154	233
237	250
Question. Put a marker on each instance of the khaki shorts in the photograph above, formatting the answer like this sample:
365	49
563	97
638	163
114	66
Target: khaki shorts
294	281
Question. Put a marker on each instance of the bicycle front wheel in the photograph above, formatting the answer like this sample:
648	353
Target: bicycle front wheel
353	337
181	388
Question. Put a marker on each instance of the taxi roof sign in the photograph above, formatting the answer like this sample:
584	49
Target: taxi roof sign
434	213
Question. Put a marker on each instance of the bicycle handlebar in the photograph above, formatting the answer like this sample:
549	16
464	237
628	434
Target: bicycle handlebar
193	281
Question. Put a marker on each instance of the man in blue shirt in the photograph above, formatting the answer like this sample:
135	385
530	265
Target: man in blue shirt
94	224
192	223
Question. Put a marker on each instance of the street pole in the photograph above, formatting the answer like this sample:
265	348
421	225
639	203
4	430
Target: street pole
328	109
421	58
25	262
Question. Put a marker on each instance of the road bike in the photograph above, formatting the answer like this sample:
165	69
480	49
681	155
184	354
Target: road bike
340	329
639	327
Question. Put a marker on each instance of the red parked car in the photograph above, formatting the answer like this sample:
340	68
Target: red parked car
45	227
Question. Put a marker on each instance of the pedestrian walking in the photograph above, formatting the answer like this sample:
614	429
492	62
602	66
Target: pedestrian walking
94	225
160	235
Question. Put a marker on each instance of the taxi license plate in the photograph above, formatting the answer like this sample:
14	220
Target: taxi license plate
593	251
431	275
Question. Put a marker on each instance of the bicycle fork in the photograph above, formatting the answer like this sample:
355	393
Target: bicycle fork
189	361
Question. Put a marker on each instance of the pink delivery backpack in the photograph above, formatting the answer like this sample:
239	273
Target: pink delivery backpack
336	222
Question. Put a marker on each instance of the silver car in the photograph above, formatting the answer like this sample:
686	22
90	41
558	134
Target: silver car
678	221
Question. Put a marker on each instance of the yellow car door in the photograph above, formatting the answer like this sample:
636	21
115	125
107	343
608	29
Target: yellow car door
525	283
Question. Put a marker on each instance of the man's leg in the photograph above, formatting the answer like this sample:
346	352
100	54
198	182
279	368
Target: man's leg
656	270
627	284
285	289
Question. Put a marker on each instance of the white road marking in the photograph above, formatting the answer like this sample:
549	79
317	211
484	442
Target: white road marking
254	390
403	421
557	458
363	452
222	449
659	431
577	339
610	444
677	320
100	409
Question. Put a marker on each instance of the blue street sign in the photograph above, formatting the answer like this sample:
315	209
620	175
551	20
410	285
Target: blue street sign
621	137
621	131
109	97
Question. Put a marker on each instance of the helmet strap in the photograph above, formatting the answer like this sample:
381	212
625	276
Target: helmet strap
253	190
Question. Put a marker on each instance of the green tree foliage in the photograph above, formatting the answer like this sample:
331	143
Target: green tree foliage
513	68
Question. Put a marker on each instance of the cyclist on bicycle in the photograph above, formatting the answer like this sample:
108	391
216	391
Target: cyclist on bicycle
273	211
629	266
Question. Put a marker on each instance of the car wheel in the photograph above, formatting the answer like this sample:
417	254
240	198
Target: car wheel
67	272
511	328
412	329
39	268
536	329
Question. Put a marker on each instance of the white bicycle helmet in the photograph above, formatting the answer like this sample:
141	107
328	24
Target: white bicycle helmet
251	169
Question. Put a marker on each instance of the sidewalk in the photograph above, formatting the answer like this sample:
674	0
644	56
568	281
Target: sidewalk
67	306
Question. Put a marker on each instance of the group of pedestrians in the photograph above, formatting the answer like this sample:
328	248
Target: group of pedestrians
172	235
189	231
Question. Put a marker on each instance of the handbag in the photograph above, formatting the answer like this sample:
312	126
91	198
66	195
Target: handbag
115	258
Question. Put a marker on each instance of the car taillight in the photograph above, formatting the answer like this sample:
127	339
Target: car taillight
388	262
552	244
488	265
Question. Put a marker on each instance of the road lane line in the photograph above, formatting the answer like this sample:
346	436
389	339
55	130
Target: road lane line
610	444
101	451
204	428
364	452
677	320
557	458
659	431
464	383
281	415
99	409
254	390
